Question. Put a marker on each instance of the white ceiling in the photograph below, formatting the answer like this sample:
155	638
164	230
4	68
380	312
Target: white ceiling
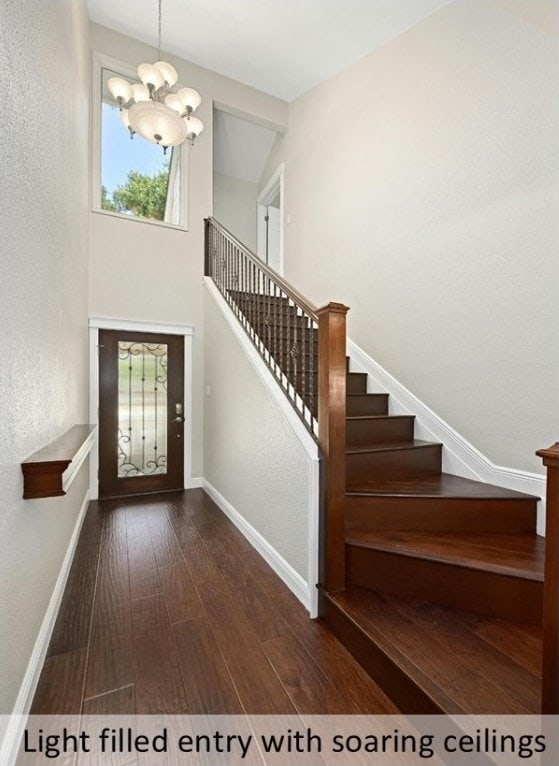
241	148
283	47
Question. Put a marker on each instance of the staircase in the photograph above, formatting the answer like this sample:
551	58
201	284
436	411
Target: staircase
432	581
444	576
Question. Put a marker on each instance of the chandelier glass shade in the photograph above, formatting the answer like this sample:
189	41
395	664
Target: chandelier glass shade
157	113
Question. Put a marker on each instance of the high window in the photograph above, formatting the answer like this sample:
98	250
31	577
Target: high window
133	178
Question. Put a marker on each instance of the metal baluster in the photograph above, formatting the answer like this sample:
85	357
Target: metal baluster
228	270
277	302
242	286
281	355
314	397
253	281
268	315
304	362
236	278
290	344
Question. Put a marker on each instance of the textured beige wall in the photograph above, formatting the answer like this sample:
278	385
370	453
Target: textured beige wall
422	189
251	455
161	267
44	61
235	207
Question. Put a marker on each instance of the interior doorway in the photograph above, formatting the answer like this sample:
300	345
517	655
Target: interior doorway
269	222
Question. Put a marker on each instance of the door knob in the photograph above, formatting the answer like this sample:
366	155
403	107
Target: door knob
178	419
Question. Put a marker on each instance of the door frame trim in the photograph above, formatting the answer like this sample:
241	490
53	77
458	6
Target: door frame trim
132	325
275	183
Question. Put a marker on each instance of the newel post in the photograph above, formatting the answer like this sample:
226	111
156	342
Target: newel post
332	440
550	669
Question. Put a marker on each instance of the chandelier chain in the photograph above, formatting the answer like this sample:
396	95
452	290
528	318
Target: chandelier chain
159	29
158	114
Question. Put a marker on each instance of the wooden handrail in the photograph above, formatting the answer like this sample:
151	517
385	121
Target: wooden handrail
550	660
288	289
332	440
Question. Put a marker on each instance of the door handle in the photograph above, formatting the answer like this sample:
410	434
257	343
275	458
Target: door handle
178	419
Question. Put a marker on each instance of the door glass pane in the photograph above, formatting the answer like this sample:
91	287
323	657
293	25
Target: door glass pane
142	409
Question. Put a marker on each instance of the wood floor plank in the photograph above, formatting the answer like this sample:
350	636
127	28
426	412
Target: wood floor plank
198	560
207	680
143	572
257	684
112	596
164	541
179	592
118	702
157	678
71	630
359	693
252	599
310	691
110	663
59	691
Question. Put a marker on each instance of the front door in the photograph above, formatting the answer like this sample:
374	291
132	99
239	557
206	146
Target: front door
141	412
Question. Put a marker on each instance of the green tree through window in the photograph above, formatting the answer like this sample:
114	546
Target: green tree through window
143	195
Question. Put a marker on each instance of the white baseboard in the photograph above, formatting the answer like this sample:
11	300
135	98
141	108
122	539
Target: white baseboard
14	730
195	483
285	571
459	456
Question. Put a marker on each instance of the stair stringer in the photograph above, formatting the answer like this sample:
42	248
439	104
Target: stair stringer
460	457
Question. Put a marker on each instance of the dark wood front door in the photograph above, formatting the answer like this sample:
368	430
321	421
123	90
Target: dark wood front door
141	412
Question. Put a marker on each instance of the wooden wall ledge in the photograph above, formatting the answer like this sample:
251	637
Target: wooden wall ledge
50	471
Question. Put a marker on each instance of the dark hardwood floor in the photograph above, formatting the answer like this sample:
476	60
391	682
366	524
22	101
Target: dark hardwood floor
168	609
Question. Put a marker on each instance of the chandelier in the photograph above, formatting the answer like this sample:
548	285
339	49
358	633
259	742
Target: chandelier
158	114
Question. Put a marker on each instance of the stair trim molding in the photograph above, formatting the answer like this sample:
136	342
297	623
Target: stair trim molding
460	457
9	748
296	584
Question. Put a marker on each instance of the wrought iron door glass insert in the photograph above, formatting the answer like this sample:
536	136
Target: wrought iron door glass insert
142	409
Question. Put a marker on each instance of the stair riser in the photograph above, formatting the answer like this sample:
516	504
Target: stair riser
391	430
356	383
371	404
392	464
441	514
489	593
383	669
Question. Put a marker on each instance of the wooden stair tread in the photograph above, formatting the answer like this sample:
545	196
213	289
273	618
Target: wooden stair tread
443	485
443	653
516	555
377	417
391	446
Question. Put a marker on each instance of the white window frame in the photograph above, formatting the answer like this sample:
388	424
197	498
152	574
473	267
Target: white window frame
101	61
